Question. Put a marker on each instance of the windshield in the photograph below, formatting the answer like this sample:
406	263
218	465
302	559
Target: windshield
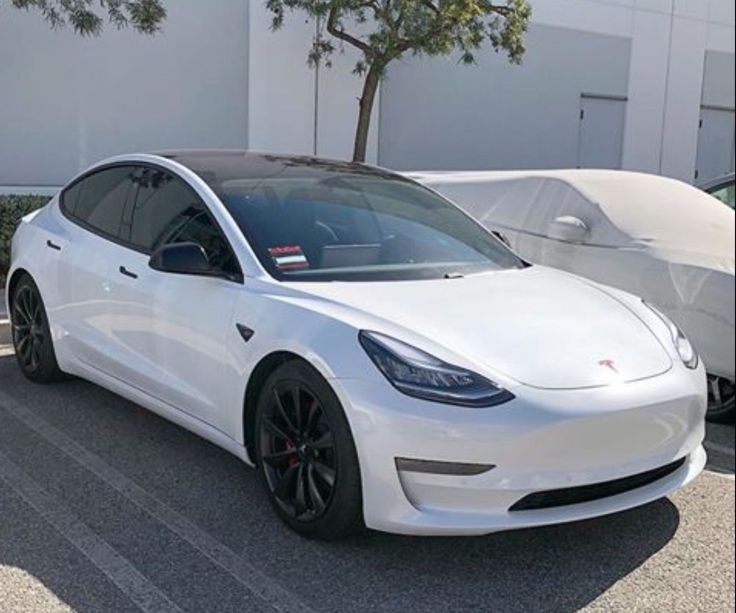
358	226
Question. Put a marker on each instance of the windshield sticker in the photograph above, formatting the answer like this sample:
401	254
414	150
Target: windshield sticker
289	257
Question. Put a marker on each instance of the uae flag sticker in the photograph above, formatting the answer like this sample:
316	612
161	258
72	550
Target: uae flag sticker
288	257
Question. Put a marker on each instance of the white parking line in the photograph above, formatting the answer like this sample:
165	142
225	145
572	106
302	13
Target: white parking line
717	447
120	571
246	574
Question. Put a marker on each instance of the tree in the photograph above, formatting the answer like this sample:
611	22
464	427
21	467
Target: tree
142	15
384	30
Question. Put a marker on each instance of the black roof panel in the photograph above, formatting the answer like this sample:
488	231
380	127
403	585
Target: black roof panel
218	166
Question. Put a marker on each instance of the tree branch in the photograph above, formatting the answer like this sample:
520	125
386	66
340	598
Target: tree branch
336	31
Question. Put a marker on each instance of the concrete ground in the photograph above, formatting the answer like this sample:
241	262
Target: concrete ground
106	507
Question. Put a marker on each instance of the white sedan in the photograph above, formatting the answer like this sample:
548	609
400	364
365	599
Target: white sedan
380	357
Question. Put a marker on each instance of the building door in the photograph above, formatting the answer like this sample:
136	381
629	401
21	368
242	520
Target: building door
715	143
601	132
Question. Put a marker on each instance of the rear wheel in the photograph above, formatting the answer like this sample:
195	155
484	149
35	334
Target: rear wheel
34	349
307	459
721	399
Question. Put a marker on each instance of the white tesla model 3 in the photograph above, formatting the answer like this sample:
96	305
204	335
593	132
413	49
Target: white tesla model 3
377	354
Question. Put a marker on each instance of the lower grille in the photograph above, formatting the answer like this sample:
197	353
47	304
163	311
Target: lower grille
588	493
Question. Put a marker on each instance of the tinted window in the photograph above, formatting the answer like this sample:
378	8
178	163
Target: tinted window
197	227
99	199
161	200
357	226
167	211
71	196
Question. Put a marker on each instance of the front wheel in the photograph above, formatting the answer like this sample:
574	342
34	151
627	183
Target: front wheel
721	399
306	455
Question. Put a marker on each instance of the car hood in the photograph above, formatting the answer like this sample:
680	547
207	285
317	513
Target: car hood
539	327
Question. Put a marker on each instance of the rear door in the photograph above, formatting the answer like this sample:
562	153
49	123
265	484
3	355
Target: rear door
91	287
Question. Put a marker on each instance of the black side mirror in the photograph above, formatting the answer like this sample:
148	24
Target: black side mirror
183	259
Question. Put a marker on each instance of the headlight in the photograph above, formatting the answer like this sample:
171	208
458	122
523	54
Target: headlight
687	352
421	375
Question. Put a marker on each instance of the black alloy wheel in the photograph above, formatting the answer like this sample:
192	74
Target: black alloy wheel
28	328
306	454
31	334
298	450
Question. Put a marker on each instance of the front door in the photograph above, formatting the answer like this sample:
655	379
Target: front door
184	330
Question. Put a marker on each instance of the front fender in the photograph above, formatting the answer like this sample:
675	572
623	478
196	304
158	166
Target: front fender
282	324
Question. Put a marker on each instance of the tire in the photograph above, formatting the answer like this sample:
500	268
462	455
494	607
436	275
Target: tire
309	468
34	348
721	400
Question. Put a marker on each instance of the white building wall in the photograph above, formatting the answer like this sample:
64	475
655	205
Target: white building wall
668	39
67	101
339	91
218	77
281	87
284	92
683	95
436	114
650	51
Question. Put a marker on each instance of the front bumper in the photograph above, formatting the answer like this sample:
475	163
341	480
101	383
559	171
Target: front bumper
541	440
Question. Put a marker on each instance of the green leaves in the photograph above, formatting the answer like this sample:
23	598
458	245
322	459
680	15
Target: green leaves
145	16
384	30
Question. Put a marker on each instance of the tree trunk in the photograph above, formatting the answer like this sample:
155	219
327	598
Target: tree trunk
370	86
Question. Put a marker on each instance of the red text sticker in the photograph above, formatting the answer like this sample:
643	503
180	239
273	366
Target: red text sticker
288	257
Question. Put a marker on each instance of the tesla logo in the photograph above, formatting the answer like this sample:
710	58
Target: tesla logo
609	364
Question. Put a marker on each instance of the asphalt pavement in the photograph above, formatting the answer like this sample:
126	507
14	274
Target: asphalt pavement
106	507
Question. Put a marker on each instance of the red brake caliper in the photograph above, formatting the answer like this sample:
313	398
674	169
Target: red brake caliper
293	458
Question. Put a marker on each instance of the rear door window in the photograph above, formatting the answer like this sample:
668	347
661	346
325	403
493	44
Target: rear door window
98	200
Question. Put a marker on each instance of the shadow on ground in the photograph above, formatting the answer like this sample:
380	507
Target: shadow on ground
560	568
